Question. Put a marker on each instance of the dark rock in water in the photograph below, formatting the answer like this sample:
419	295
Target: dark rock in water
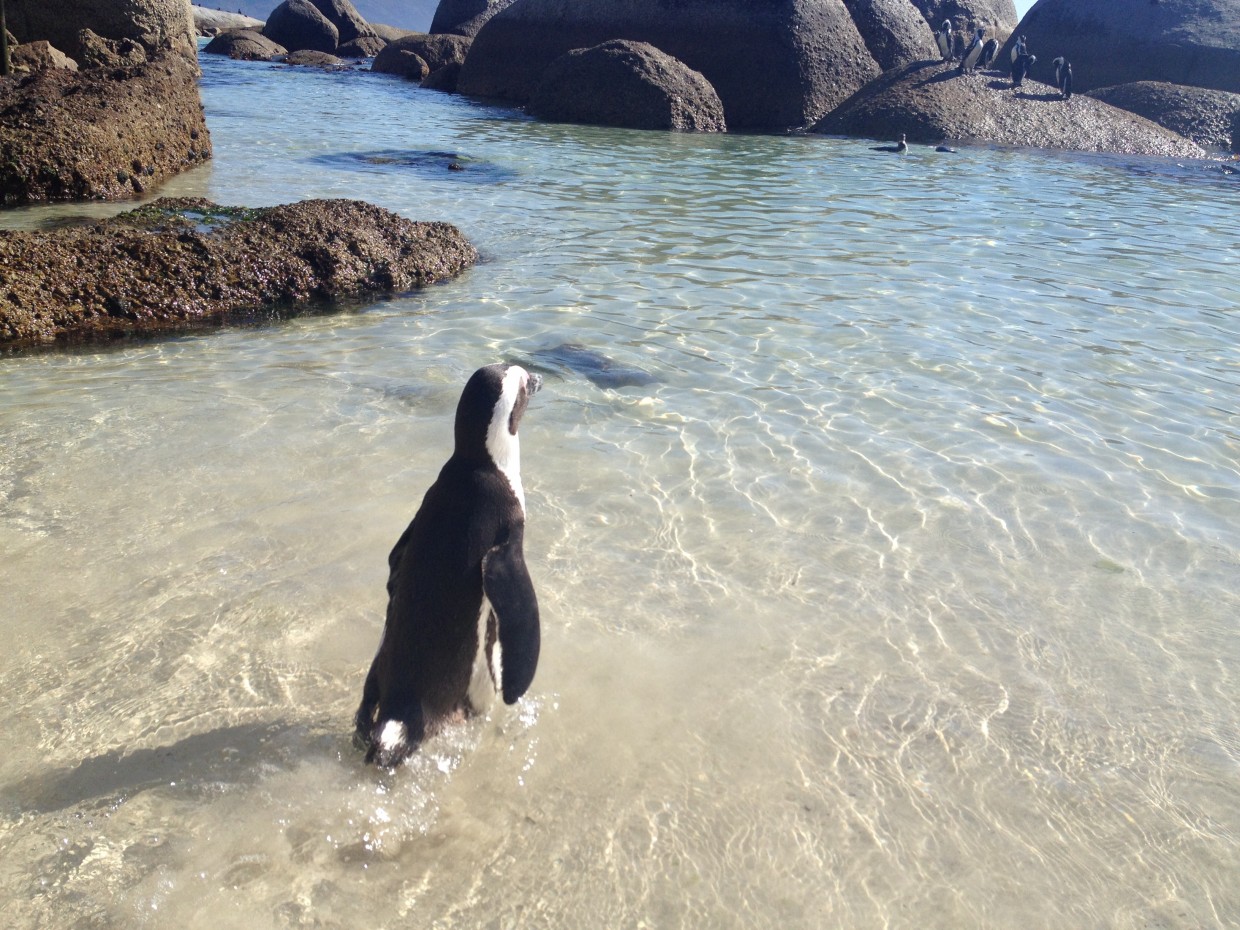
894	31
431	165
402	63
436	51
99	134
312	59
775	64
342	14
932	104
183	262
1195	43
465	17
244	45
444	79
629	84
362	47
592	365
298	24
1197	113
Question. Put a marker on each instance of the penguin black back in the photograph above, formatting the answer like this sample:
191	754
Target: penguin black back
462	616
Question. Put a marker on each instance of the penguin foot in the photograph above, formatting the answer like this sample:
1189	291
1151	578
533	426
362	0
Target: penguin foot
390	744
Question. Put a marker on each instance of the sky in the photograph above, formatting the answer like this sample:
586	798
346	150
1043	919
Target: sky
1022	7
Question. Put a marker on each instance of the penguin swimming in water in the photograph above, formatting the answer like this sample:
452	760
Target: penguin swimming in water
989	51
462	617
1020	69
900	147
972	53
944	39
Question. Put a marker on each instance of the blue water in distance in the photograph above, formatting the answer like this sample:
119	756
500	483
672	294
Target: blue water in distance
901	590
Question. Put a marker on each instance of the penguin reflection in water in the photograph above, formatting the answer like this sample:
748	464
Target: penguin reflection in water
462	617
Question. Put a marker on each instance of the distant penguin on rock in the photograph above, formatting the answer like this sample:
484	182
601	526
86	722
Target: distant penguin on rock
1065	81
1020	69
971	54
944	39
462	617
1058	64
900	147
989	51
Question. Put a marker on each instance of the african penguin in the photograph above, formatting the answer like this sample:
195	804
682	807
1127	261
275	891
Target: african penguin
1065	81
900	147
1020	69
989	51
969	60
1018	49
462	617
944	39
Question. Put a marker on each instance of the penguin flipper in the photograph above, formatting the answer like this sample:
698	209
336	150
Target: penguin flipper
507	584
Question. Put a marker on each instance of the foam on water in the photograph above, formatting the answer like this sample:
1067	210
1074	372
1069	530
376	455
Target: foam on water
904	595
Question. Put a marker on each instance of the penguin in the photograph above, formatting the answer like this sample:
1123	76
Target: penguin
944	38
462	616
989	51
1020	69
1058	63
972	53
900	147
958	44
1065	81
1018	48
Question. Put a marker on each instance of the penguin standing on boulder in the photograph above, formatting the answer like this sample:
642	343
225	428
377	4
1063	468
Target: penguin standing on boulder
1063	77
944	39
989	51
969	60
462	617
1018	49
1020	69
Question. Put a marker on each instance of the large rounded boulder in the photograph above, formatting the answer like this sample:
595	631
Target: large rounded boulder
349	23
997	17
158	25
628	84
465	17
299	24
1191	42
1197	113
437	51
930	103
894	31
774	63
244	45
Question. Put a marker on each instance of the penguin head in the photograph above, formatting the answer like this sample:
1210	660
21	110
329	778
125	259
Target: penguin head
490	410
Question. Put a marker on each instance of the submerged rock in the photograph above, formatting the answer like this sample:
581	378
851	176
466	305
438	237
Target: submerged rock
629	84
183	262
931	103
99	134
594	366
310	59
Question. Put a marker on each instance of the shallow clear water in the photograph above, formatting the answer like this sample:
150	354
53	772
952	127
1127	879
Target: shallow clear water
906	596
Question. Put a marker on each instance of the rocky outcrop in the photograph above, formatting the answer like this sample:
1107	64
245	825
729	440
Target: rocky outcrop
436	50
361	47
775	64
465	17
298	24
629	84
344	16
1195	43
307	58
244	45
158	25
100	134
39	56
178	263
1205	116
894	31
95	51
444	79
998	17
213	22
931	104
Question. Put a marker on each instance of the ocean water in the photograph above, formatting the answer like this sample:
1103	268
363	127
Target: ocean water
904	594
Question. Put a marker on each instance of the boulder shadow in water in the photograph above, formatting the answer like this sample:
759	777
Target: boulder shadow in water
573	358
240	754
427	164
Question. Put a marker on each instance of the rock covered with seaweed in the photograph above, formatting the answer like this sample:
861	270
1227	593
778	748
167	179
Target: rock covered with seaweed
177	263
